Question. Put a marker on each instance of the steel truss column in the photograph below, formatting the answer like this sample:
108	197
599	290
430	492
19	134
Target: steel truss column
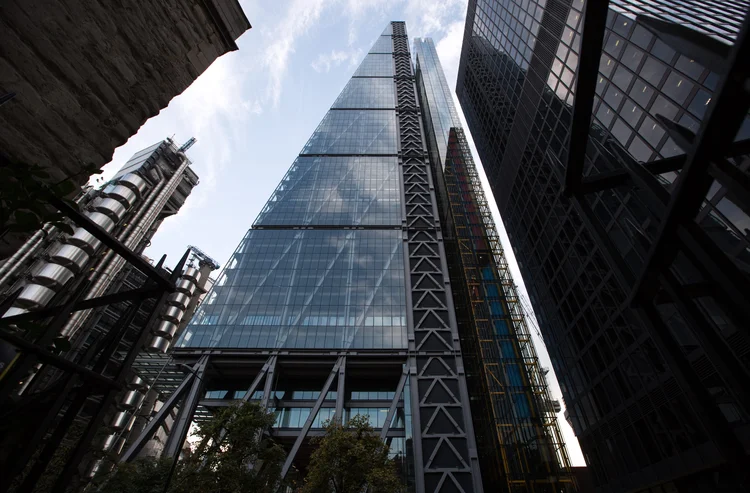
394	404
340	362
137	445
181	426
340	389
444	445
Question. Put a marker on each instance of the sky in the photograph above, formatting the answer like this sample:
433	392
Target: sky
253	110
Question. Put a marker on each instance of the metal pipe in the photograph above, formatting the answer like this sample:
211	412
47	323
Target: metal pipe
16	261
133	234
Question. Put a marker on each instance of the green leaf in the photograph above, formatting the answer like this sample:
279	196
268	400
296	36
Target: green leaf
64	188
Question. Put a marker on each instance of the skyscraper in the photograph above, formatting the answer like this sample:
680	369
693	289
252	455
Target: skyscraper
338	300
636	276
520	444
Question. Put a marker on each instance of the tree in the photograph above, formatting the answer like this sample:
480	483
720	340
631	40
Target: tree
350	458
233	455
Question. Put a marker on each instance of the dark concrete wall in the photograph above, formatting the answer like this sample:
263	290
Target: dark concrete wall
88	74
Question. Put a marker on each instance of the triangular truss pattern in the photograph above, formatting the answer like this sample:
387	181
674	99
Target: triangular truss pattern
448	461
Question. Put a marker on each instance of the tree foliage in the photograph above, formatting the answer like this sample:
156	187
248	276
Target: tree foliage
350	458
245	460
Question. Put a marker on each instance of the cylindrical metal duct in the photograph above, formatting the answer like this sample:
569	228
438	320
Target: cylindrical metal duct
122	194
111	207
112	264
131	400
70	256
173	314
192	273
137	383
166	329
180	300
28	249
53	276
34	296
122	420
158	345
134	182
185	286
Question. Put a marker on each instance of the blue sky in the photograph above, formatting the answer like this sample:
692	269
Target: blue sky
253	110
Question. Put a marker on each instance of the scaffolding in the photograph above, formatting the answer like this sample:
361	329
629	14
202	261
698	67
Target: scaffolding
528	447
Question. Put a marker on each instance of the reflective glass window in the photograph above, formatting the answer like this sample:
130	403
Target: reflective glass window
384	44
622	78
614	45
375	65
663	107
308	289
354	132
689	67
653	71
662	51
367	93
336	190
639	150
631	113
641	36
699	104
677	87
621	131
651	131
632	57
641	93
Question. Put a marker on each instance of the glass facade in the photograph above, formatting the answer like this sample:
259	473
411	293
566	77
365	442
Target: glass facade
336	190
327	286
637	420
307	289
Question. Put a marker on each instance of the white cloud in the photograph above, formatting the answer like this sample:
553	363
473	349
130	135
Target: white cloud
449	51
300	16
326	61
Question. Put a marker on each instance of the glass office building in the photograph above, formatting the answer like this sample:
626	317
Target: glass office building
520	444
337	301
589	146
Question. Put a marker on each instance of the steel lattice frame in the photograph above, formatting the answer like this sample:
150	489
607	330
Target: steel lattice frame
444	444
467	199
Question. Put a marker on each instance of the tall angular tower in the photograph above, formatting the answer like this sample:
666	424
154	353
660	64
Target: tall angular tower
338	302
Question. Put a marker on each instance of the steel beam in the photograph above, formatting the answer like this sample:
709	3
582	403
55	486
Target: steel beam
114	244
138	294
592	39
340	389
394	403
717	132
181	426
268	387
137	445
313	413
45	356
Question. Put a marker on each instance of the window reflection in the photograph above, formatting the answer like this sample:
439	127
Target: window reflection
641	92
677	87
663	107
651	131
700	103
632	57
653	71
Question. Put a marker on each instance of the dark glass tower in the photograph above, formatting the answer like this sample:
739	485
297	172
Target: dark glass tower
638	277
520	444
338	300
